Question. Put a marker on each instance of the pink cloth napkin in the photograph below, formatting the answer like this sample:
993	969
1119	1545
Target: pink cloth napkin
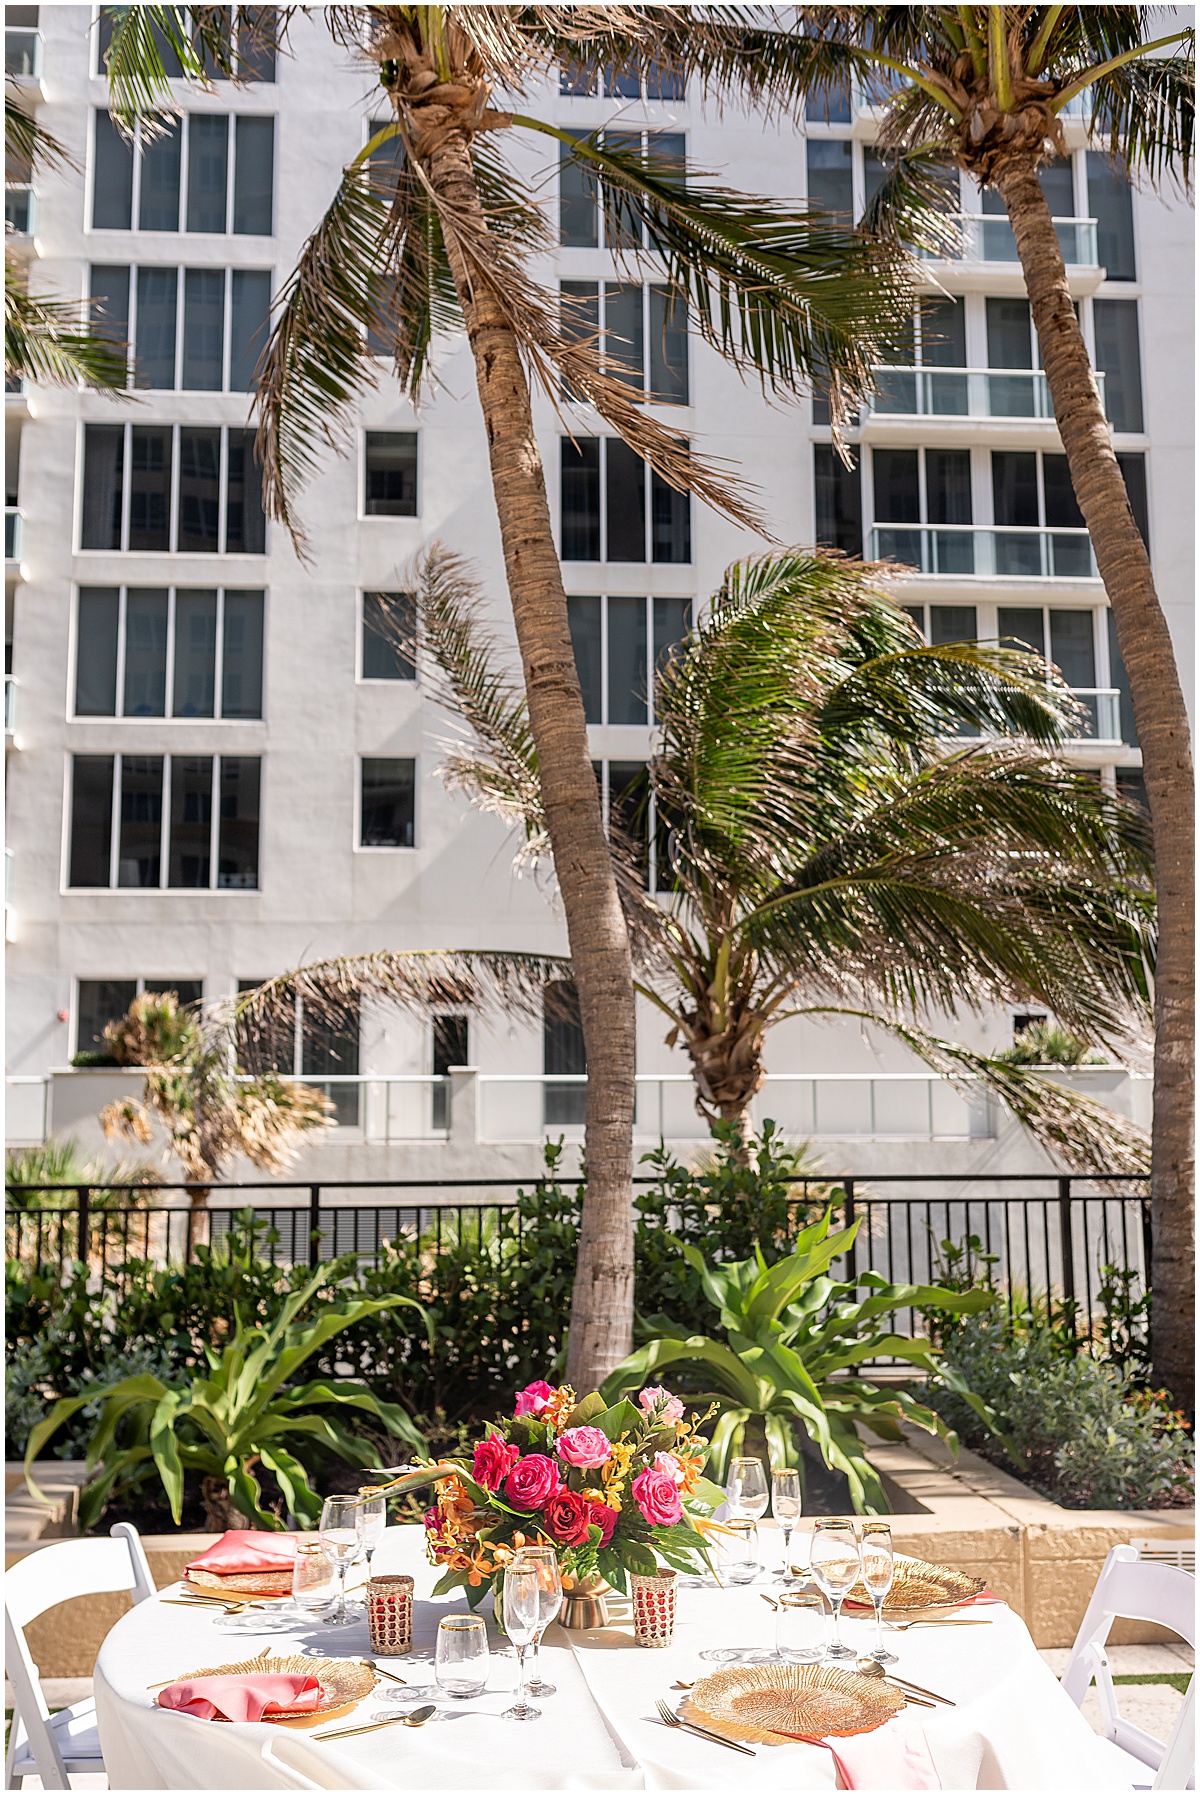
243	1550
242	1698
895	1756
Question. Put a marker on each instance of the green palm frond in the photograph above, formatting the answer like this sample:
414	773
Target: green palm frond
45	342
145	38
28	144
917	202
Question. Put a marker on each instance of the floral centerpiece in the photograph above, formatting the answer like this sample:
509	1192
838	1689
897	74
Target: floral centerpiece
612	1489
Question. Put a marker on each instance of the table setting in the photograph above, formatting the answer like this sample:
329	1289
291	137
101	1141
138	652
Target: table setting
679	1640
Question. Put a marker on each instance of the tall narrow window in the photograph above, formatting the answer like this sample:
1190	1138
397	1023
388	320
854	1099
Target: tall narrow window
254	177
256	42
577	200
109	293
625	504
451	1047
203	329
831	175
838	501
242	655
139	850
237	864
112	178
103	485
584	616
249	323
161	157
670	522
1119	677
208	172
96	651
1010	345
145	653
389	635
1133	471
189	863
624	335
150	457
329	1046
91	820
199	491
1119	359
580	493
388	803
391	473
580	317
668	348
194	687
627	688
157	300
99	1002
563	1055
245	522
1110	203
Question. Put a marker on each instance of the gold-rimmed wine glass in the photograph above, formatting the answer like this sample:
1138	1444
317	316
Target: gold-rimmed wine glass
878	1556
550	1594
786	1504
835	1566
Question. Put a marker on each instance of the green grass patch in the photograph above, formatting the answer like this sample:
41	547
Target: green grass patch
1178	1679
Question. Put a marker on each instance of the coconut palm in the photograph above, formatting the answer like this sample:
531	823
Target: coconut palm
447	239
984	89
829	843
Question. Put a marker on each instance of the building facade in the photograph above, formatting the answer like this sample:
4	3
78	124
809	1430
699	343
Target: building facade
219	768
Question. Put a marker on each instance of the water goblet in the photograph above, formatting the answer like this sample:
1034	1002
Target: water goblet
878	1568
522	1618
339	1536
461	1657
550	1595
786	1506
800	1628
835	1566
746	1489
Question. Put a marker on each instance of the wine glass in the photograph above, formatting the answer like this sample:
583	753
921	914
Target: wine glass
746	1489
835	1566
461	1659
545	1559
339	1536
522	1619
370	1520
786	1506
878	1569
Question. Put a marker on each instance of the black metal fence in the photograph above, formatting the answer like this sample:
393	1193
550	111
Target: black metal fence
1049	1236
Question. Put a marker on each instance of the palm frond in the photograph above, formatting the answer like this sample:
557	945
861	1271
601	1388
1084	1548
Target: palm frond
917	202
28	144
45	342
146	38
1145	116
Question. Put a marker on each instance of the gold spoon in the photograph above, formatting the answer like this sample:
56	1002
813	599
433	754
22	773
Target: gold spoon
877	1674
683	1685
418	1717
769	1600
380	1671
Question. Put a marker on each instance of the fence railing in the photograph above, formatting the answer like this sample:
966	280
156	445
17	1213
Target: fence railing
987	551
911	392
988	237
1051	1234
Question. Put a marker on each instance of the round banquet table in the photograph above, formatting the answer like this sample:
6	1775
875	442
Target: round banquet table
1012	1727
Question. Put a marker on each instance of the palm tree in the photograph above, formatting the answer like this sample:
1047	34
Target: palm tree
826	845
445	241
984	89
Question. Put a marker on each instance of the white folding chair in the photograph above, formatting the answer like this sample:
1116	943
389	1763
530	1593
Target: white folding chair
55	1746
1132	1589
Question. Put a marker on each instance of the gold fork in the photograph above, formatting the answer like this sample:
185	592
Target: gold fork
671	1719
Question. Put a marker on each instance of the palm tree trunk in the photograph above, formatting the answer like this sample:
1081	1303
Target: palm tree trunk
602	1302
1162	728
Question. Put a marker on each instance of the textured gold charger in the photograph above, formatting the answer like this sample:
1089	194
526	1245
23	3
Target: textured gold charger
344	1682
767	1702
920	1585
243	1583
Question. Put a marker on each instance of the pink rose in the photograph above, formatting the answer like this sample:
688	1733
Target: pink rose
584	1447
660	1404
658	1498
669	1465
433	1520
494	1459
535	1397
532	1481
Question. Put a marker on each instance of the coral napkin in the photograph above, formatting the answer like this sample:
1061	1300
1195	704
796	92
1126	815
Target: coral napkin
893	1757
244	1550
242	1698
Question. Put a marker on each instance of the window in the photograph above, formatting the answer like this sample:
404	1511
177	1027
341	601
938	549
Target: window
1067	640
604	509
389	635
937	338
924	486
255	47
164	821
1133	471
1033	492
1119	359
563	1056
838	497
322	1049
831	174
171	488
390	485
1118	678
583	216
192	329
651	83
941	624
644	334
1131	786
168	652
208	173
1110	203
388	803
828	105
615	640
451	1047
101	1001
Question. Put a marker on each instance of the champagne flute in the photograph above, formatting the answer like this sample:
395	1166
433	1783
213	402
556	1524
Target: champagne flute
835	1566
339	1536
545	1560
522	1618
878	1569
786	1507
746	1489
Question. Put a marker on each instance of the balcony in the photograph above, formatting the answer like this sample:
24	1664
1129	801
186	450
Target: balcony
23	58
988	237
985	551
13	534
905	392
20	213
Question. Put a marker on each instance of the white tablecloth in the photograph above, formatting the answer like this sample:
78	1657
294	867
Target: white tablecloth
1012	1728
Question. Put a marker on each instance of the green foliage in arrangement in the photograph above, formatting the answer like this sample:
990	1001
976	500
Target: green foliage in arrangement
244	1411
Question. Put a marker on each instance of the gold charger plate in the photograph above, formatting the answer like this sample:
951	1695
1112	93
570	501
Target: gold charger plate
243	1583
920	1585
344	1682
766	1703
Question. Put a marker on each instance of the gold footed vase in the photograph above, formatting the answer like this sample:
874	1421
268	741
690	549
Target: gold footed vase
584	1606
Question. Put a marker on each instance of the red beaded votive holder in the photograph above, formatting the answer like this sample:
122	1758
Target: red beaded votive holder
390	1615
653	1608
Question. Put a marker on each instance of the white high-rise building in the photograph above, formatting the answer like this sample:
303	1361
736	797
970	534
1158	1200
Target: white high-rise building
217	769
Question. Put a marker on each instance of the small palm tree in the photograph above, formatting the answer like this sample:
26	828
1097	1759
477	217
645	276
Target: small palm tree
447	240
828	845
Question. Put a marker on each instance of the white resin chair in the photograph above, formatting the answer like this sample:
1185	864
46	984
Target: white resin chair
1132	1589
57	1746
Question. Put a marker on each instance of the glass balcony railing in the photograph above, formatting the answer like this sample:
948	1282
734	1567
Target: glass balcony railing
1102	708
23	53
983	551
962	393
988	237
20	209
12	533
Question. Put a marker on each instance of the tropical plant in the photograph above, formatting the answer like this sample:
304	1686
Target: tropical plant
447	236
985	89
246	1412
793	1339
828	848
1046	1044
34	1177
211	1113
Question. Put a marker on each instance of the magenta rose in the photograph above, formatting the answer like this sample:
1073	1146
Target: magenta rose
567	1518
603	1517
658	1498
660	1404
494	1459
433	1520
534	1398
532	1481
584	1447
